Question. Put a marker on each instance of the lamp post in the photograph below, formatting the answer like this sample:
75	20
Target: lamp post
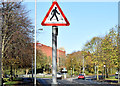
32	69
105	71
71	71
71	67
35	40
34	46
95	70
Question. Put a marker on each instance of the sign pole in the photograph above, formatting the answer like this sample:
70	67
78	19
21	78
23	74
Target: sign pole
49	21
54	54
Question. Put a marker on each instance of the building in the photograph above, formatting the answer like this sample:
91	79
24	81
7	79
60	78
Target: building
47	50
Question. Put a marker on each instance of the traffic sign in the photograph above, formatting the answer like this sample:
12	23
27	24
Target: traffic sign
55	16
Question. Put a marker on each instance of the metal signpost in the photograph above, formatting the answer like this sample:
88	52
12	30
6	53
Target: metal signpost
54	53
55	17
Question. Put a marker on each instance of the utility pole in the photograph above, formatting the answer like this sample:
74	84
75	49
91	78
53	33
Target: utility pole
54	54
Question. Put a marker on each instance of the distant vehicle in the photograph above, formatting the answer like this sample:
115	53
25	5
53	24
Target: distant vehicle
59	76
81	76
116	75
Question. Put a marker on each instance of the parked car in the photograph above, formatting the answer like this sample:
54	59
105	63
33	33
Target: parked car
81	76
59	76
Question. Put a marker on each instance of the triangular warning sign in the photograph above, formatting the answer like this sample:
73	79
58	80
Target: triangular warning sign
55	16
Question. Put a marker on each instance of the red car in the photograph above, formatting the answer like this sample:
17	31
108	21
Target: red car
81	76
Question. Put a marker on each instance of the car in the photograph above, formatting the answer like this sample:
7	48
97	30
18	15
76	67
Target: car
59	76
81	76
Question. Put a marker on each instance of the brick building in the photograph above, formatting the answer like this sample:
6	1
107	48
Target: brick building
47	50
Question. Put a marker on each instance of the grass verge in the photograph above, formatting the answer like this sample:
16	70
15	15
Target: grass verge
111	78
11	82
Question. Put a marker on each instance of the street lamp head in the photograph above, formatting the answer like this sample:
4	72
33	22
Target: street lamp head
40	29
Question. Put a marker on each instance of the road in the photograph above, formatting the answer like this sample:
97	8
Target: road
72	82
48	82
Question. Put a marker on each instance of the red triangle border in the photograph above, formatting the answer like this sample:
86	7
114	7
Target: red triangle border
55	24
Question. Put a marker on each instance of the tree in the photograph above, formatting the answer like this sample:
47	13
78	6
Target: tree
16	35
75	60
41	59
109	50
104	51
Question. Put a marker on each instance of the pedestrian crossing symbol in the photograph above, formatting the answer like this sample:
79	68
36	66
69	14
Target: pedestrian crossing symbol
55	16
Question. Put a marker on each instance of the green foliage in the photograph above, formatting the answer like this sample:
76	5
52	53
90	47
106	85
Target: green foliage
17	79
10	83
42	61
99	51
6	79
105	51
86	73
76	73
75	60
69	72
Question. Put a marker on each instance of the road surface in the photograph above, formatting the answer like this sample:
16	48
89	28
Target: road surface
72	82
89	81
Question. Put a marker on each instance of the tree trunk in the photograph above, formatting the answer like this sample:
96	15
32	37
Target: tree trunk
3	46
15	72
11	73
97	74
80	70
